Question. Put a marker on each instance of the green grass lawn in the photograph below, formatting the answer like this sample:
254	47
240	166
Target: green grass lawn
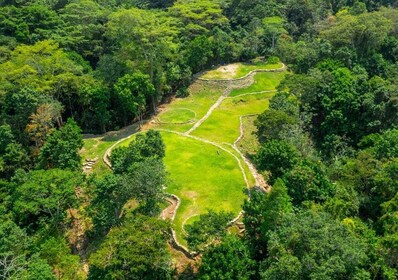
237	70
223	124
201	98
262	81
249	144
203	177
177	115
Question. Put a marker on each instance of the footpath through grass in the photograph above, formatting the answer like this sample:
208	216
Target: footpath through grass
223	126
203	177
263	81
237	70
201	98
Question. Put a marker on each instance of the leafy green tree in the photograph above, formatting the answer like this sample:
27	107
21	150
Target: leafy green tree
58	255
84	28
14	157
271	124
277	157
319	248
264	213
19	107
143	182
348	30
274	27
133	92
228	260
197	17
14	244
30	23
61	149
210	228
199	53
287	267
38	269
308	182
107	203
95	103
145	40
137	249
285	102
6	137
43	66
148	145
45	196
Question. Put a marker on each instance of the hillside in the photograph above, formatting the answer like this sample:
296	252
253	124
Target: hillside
198	139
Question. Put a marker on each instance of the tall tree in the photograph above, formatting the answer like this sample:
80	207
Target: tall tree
61	149
136	249
133	92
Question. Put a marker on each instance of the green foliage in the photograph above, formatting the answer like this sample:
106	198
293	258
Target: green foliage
277	157
143	181
210	228
148	145
297	243
199	53
45	196
132	92
349	31
58	254
84	28
197	17
134	250
6	137
272	123
228	260
61	149
43	66
263	214
308	182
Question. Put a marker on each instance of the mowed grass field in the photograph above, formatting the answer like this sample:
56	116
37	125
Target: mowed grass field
203	177
263	81
238	70
201	98
177	115
223	124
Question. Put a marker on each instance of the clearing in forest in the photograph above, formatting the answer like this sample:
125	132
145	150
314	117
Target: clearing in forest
237	70
206	170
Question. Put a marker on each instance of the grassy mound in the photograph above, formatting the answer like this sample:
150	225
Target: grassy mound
263	81
177	116
203	177
237	70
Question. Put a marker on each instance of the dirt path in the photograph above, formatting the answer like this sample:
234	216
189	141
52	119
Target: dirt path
169	212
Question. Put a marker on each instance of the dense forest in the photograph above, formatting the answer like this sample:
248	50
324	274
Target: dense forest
329	140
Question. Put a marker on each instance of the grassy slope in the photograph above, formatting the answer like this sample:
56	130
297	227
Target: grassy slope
177	115
202	175
201	98
262	81
242	69
249	144
223	124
